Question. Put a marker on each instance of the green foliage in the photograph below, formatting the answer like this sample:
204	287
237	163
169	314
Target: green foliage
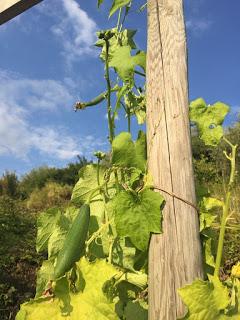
213	299
18	258
87	184
110	280
205	300
124	63
90	303
38	178
137	215
117	4
47	222
209	120
126	153
52	194
9	184
13	221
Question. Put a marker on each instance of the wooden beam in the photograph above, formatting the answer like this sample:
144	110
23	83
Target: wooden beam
174	256
9	9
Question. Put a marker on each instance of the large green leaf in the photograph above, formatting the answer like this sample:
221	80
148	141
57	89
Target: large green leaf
126	153
135	311
56	240
87	184
209	120
208	216
205	300
118	39
117	4
124	63
90	304
46	224
137	215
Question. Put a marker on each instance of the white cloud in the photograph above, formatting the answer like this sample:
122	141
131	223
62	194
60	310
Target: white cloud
21	99
18	137
76	31
197	26
34	94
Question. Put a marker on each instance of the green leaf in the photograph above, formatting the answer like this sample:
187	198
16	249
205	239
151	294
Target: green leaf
56	240
210	203
120	93
91	304
119	39
124	63
137	215
100	247
126	153
141	116
117	4
123	253
87	184
46	224
205	300
207	218
44	275
141	150
71	213
135	311
209	120
99	3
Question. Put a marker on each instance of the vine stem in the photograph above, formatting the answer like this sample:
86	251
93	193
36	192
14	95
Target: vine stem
97	233
119	18
232	158
98	172
109	110
129	121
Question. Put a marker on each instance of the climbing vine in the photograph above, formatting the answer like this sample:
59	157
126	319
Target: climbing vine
109	281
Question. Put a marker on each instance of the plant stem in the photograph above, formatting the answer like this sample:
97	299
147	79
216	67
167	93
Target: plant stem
232	158
97	233
140	73
129	121
98	172
109	110
119	18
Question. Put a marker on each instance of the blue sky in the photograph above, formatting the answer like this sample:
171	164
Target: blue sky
48	62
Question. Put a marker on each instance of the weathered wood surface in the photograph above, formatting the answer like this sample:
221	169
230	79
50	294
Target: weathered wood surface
175	256
11	8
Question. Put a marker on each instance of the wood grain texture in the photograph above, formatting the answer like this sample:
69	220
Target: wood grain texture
175	256
9	9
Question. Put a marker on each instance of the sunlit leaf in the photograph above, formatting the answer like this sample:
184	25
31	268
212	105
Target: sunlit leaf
209	120
126	153
205	300
90	304
46	224
137	215
117	4
124	63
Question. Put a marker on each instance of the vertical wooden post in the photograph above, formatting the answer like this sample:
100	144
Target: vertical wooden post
9	9
175	256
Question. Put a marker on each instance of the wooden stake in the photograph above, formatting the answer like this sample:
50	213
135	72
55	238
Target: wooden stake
175	256
11	8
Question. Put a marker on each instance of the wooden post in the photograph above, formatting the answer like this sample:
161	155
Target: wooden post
11	8
175	256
